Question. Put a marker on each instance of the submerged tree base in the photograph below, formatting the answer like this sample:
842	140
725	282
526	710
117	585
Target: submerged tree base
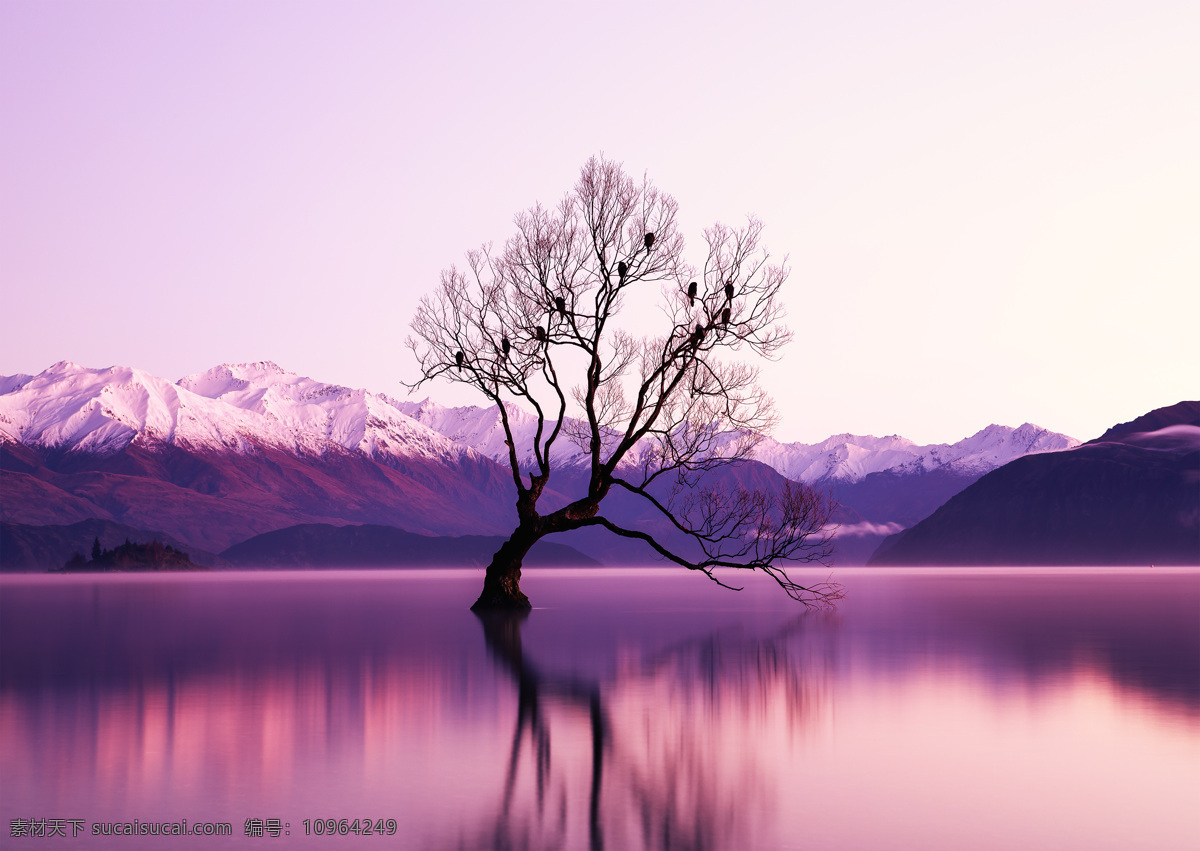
502	580
502	594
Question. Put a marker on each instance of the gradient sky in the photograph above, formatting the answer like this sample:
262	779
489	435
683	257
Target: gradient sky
991	210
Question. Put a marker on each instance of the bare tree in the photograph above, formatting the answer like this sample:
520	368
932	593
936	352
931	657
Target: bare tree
538	324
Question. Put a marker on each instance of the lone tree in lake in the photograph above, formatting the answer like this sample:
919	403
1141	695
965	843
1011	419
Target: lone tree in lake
538	324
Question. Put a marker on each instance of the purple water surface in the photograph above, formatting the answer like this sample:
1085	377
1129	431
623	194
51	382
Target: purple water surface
633	709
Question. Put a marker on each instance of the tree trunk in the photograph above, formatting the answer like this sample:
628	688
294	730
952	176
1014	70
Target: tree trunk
502	582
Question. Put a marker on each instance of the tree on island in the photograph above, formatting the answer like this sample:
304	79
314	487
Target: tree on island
131	556
657	416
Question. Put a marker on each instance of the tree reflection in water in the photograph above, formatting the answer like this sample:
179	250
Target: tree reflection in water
670	758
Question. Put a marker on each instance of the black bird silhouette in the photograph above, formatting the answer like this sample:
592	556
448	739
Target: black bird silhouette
698	334
729	290
540	333
725	316
459	357
691	293
560	305
622	269
649	240
505	345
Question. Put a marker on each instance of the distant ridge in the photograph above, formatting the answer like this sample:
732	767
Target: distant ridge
39	548
1131	497
323	545
1182	413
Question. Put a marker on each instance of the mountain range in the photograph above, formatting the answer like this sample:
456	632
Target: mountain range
217	458
843	458
1131	496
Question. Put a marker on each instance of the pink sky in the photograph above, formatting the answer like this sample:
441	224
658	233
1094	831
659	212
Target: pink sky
991	210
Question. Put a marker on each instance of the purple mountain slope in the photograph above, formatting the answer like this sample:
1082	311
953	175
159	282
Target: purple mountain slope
127	447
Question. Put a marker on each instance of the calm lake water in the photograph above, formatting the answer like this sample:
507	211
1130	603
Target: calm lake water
981	709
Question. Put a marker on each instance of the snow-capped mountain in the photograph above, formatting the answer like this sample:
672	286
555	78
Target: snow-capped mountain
327	413
483	431
230	407
231	453
851	458
842	458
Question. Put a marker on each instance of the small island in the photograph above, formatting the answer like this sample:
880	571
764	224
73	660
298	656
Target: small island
131	556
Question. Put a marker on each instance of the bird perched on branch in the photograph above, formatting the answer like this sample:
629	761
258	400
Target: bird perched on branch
698	334
622	270
729	290
505	346
540	333
649	240
459	357
691	293
560	305
725	316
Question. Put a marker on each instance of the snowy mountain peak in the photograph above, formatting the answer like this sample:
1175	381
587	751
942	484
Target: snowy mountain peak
1002	443
850	458
482	430
94	410
266	388
228	407
230	378
62	367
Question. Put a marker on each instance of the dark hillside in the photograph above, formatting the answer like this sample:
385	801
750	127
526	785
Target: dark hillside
323	545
